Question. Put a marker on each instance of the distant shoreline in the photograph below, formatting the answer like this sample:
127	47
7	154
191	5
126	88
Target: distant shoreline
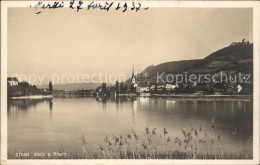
196	96
215	97
32	97
175	96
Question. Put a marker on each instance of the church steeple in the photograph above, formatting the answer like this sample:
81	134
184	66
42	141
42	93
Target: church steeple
133	76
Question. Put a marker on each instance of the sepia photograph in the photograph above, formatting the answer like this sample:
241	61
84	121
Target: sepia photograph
90	80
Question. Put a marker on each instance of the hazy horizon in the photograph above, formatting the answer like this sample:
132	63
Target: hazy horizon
67	42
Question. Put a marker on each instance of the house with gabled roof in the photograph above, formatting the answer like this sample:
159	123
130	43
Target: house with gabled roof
13	81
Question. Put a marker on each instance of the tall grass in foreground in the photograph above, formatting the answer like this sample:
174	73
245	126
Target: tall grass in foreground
194	144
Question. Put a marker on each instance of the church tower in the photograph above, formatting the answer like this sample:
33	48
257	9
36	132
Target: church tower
133	77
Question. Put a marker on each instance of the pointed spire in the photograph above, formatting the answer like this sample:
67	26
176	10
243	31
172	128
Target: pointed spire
133	74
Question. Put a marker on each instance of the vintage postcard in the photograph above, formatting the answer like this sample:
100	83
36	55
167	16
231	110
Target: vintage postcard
130	82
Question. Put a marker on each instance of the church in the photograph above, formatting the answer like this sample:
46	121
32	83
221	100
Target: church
133	82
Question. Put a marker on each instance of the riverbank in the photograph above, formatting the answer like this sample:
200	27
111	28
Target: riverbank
177	96
32	97
127	94
206	97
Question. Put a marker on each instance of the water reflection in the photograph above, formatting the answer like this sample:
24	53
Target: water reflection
63	121
120	102
50	105
14	106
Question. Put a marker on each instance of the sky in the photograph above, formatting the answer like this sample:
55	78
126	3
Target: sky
90	42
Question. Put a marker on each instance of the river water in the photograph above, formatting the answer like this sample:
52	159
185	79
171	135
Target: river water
58	124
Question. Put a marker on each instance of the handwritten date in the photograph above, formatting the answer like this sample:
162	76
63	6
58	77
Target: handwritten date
79	5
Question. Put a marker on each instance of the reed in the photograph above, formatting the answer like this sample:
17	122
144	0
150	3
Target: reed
194	144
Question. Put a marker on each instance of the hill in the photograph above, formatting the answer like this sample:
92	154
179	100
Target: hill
173	67
237	57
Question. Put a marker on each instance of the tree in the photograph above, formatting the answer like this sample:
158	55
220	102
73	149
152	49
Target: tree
104	88
132	88
123	87
50	87
117	87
